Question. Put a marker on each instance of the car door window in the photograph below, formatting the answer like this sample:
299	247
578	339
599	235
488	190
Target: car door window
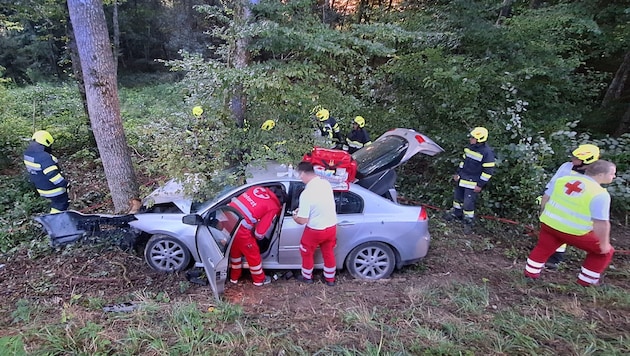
348	203
222	224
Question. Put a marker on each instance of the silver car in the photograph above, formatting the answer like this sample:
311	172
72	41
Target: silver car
375	234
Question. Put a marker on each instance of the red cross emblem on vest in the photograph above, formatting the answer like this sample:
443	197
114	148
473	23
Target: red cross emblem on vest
574	187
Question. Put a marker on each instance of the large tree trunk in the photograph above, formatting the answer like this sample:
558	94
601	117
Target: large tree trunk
624	124
618	83
238	103
99	76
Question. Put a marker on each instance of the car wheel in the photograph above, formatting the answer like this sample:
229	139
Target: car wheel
165	253
371	260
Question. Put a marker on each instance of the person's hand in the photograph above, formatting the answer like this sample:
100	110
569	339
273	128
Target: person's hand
477	189
605	247
295	212
455	177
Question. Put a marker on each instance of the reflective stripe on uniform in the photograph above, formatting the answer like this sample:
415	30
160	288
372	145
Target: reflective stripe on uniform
30	165
473	155
51	193
467	184
243	209
329	272
533	266
485	177
488	164
589	276
562	248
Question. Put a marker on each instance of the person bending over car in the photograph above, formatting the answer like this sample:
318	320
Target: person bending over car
259	206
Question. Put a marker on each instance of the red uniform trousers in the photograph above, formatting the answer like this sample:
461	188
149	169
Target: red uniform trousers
245	245
326	240
550	239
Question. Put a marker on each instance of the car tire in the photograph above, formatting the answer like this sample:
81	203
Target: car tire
166	254
371	261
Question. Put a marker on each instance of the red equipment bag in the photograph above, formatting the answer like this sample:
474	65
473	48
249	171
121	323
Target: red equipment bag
337	166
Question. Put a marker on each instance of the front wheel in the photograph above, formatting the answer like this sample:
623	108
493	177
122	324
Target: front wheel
371	260
166	254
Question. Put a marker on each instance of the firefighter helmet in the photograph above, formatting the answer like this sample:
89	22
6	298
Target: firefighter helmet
480	133
43	138
197	111
586	153
322	115
359	120
268	125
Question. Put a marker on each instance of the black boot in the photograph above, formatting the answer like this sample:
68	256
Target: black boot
452	214
554	261
468	226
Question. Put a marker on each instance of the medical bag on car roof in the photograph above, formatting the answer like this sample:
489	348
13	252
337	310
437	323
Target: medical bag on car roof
336	166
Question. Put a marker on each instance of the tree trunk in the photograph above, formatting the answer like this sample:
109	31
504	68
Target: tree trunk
238	103
624	124
99	76
116	39
504	12
618	83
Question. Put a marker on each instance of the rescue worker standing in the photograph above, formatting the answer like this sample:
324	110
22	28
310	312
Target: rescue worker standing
581	157
358	137
577	214
44	171
259	207
317	211
329	127
473	173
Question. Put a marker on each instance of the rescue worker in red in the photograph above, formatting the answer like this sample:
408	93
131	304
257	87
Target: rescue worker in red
577	214
44	171
317	211
473	173
260	206
359	136
581	157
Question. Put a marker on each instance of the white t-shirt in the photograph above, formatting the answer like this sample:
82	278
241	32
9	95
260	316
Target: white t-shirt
317	203
564	170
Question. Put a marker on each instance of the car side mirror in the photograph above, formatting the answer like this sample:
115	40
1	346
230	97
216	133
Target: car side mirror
192	219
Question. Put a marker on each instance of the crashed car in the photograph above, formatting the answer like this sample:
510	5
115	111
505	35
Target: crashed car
375	234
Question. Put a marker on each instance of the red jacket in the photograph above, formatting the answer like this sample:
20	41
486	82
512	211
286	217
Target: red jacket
259	207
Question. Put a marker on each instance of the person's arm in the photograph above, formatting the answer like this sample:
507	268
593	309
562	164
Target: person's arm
601	228
264	225
543	202
297	219
488	163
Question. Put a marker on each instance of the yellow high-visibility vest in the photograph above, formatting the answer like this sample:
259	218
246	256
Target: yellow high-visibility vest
568	208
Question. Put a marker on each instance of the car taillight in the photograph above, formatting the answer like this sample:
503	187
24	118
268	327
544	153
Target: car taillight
423	214
420	139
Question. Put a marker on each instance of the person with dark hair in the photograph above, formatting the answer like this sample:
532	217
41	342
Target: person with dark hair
44	171
577	214
316	210
259	206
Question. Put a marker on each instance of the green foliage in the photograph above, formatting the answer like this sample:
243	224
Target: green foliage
12	345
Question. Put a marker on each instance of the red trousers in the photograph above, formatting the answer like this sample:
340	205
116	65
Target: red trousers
245	245
326	240
550	239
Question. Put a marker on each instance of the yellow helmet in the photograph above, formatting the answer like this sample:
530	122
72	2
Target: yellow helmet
197	111
359	120
43	137
315	109
480	133
586	153
322	115
268	125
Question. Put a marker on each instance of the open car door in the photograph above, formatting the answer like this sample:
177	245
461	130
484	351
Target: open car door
214	237
376	162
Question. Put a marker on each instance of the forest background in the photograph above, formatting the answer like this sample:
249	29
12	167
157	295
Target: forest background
542	76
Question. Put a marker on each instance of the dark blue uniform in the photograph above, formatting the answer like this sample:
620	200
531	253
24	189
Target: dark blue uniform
357	139
475	169
45	174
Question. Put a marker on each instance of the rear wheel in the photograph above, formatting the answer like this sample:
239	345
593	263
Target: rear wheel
166	254
371	260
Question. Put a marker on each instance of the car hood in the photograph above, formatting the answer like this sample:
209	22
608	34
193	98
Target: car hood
392	149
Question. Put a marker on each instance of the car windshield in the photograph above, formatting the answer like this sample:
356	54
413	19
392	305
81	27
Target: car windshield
384	153
221	184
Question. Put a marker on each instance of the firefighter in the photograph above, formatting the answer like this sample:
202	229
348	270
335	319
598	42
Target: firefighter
473	173
358	137
259	206
581	157
329	127
577	214
44	171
